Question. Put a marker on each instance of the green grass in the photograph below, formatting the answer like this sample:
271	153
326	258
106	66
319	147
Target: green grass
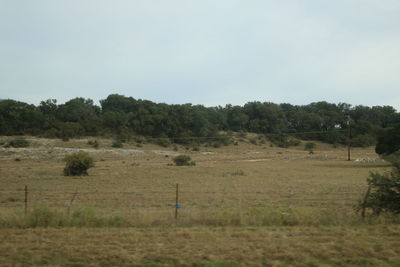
47	217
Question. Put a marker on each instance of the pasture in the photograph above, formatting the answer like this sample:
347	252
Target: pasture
240	205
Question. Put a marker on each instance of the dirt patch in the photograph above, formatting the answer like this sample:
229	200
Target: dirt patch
58	152
165	152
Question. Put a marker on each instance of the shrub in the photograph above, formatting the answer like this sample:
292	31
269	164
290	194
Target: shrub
139	140
216	145
309	146
242	134
385	194
234	173
94	144
253	141
163	141
19	142
220	140
363	140
283	141
117	144
78	163
293	142
224	139
183	160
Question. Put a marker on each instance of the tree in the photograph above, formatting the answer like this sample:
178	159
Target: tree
82	111
385	189
19	118
388	141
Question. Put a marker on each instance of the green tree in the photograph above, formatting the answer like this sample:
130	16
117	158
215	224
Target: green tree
19	118
81	111
388	141
385	189
236	118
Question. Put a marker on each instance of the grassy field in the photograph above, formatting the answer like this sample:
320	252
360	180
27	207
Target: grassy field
241	205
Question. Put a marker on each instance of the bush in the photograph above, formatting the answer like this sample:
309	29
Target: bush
139	140
163	141
78	164
18	142
94	144
363	140
220	140
283	141
309	146
242	134
117	144
385	194
183	160
253	141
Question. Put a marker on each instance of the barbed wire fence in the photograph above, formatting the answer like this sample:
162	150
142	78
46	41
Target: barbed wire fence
24	199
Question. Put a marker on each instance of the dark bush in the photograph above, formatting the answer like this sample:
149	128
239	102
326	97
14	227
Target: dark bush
253	141
385	189
183	160
19	142
163	141
220	140
283	141
309	146
94	144
388	141
78	163
117	144
363	140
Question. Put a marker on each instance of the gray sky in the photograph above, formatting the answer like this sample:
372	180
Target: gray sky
210	52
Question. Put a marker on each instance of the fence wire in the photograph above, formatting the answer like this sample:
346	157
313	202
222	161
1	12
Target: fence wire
196	199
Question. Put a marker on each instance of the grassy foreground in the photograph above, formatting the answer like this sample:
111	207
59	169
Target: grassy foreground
221	246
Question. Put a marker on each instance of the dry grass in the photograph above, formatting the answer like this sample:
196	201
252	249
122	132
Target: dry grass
242	186
239	185
299	246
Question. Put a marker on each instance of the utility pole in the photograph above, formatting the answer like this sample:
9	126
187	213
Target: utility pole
348	138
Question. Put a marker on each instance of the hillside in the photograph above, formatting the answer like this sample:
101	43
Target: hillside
125	117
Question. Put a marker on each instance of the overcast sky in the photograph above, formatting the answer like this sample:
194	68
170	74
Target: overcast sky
210	52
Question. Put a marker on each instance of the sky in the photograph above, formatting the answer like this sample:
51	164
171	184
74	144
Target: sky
210	52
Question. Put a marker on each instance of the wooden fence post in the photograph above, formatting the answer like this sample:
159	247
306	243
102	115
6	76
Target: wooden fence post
72	200
364	204
26	200
177	202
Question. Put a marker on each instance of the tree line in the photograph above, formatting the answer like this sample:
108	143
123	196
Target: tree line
126	116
